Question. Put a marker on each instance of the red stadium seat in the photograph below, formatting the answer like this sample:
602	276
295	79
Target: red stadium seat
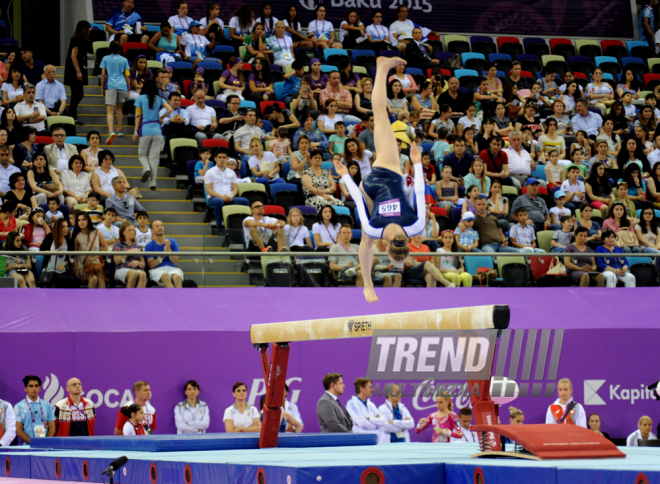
607	43
526	74
187	102
44	140
215	143
580	75
650	80
439	211
446	72
271	209
186	87
133	45
270	103
505	40
542	190
554	42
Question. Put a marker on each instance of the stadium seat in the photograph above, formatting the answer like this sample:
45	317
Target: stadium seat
265	104
357	53
502	62
473	264
215	143
536	46
483	44
651	80
181	71
66	122
457	44
581	63
559	41
360	71
638	48
544	239
213	70
343	215
557	62
637	64
614	48
325	68
154	64
132	49
248	104
517	273
589	48
391	53
550	58
654	65
644	271
565	50
414	71
278	87
506	40
468	78
608	64
76	140
327	53
441	56
176	143
284	194
539	173
232	217
44	140
101	49
474	60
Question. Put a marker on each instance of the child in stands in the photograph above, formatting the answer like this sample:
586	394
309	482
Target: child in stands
142	231
281	147
53	212
94	210
561	238
107	229
204	164
559	211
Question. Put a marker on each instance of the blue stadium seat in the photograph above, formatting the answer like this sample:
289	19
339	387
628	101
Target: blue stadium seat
248	104
465	72
465	56
496	57
414	71
278	87
605	58
329	52
526	57
328	68
636	43
360	52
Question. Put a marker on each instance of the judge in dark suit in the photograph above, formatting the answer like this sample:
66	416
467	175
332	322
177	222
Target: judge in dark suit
332	415
419	55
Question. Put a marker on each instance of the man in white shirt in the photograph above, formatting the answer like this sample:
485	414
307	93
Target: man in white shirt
398	417
221	187
176	123
51	93
30	112
263	233
291	407
403	28
521	164
244	134
654	156
366	419
142	392
6	170
202	118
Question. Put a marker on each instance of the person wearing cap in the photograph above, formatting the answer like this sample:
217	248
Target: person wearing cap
536	208
467	238
559	211
521	165
195	45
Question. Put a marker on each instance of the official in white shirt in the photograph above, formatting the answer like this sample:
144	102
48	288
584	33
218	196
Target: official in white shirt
465	419
291	407
366	419
241	417
192	415
399	421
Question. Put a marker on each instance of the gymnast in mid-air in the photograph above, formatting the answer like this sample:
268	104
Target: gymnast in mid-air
384	210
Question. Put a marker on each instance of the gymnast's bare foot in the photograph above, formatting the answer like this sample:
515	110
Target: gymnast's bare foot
370	294
390	62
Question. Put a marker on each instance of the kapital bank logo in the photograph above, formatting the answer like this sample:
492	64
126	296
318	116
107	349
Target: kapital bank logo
631	395
54	392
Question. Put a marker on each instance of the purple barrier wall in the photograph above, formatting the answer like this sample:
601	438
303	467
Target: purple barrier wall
559	18
112	338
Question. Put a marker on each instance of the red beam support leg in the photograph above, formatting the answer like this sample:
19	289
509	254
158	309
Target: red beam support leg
275	375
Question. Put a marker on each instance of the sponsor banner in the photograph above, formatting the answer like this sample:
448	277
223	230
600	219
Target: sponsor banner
580	18
609	368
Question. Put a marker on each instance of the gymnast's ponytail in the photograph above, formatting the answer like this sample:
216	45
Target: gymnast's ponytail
130	409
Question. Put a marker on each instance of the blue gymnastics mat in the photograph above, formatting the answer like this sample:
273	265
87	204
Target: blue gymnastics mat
397	463
199	442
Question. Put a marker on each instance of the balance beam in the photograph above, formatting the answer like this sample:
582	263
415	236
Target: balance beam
475	317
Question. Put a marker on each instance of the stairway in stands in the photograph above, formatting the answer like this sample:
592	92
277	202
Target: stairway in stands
168	203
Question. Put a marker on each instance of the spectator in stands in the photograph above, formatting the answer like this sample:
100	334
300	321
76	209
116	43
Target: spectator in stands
352	32
647	232
299	160
615	268
378	35
477	177
522	234
621	195
355	150
130	268
644	426
263	164
297	235
44	181
163	270
452	97
619	219
293	27
142	391
263	233
344	99
18	267
520	162
241	417
103	176
20	193
166	44
321	32
326	229
221	187
60	152
601	156
326	122
503	125
459	161
261	81
12	88
139	73
396	98
176	123
192	415
13	128
318	185
515	77
497	161
316	137
34	416
535	206
243	136
181	22
281	45
31	113
33	70
26	149
7	219
585	120
57	269
165	88
345	268
115	87
422	268
51	92
76	182
582	269
200	44
202	118
148	117
305	103
7	423
125	204
86	238
600	94
452	268
594	424
319	80
241	25
417	54
6	171
90	154
424	100
124	22
280	118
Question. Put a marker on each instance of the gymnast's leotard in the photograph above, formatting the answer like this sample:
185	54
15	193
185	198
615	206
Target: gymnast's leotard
385	188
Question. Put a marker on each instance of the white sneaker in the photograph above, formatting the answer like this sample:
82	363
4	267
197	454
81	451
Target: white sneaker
350	272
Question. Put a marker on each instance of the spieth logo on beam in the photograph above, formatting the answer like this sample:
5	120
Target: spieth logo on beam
358	326
443	355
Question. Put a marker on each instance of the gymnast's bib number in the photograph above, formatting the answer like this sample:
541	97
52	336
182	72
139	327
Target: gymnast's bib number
390	208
